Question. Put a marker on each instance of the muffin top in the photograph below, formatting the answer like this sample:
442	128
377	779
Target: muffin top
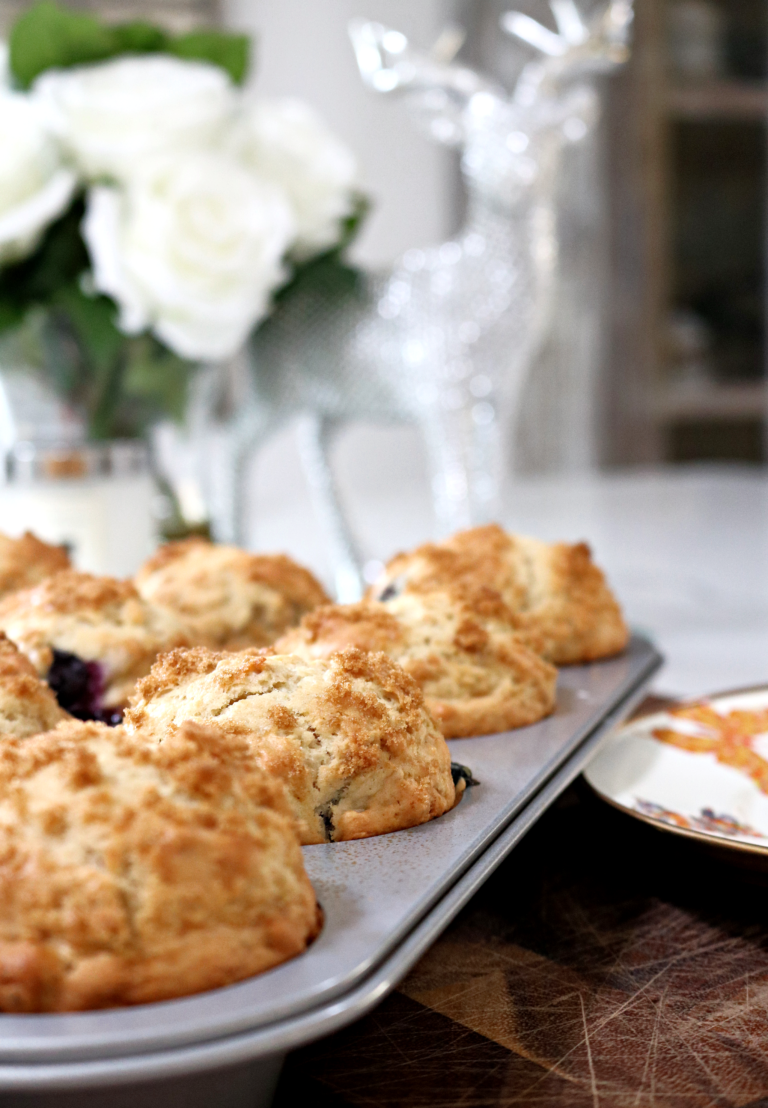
228	598
94	620
132	871
561	602
350	736
27	705
461	648
27	560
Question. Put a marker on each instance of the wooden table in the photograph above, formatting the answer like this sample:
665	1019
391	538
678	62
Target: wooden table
605	963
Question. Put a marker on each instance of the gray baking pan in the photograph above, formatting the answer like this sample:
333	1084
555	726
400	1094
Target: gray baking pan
385	900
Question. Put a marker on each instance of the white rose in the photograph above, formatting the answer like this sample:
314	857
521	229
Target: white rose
111	116
286	142
192	248
34	187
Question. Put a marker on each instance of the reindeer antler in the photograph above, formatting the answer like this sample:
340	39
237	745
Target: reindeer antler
578	48
388	62
438	88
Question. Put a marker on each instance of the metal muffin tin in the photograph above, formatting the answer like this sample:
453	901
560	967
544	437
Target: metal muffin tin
385	899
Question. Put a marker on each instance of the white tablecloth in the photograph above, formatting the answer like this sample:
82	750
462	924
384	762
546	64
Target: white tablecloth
686	548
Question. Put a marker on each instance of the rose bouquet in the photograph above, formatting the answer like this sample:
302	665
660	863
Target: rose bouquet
151	209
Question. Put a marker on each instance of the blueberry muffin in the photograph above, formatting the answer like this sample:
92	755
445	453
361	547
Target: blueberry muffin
359	753
27	704
476	674
133	872
90	637
27	561
561	602
228	598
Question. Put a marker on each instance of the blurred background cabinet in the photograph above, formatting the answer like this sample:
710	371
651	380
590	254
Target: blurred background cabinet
689	187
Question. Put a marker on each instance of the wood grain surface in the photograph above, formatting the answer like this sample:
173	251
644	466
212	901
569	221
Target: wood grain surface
605	963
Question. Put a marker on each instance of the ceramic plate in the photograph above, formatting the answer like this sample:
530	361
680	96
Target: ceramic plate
699	769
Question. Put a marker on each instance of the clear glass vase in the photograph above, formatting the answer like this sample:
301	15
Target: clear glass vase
62	475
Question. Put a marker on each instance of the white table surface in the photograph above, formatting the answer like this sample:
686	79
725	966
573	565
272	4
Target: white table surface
685	547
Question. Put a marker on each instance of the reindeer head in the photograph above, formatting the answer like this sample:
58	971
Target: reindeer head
507	140
439	93
579	50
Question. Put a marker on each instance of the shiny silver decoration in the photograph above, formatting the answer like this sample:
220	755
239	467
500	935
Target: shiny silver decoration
446	337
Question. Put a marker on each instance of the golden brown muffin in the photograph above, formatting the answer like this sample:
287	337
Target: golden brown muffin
133	872
27	561
476	674
27	705
562	604
228	598
350	737
91	637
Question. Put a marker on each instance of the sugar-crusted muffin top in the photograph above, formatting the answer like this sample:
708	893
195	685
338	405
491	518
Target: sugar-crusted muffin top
350	736
460	616
333	627
27	560
27	705
461	647
132	872
227	597
97	619
560	600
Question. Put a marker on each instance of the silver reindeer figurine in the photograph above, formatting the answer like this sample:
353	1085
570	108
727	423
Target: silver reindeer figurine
446	337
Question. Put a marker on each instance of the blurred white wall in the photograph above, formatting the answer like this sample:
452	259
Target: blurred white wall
303	50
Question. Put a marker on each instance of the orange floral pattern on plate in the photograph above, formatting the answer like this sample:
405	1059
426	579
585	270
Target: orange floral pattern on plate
708	820
730	737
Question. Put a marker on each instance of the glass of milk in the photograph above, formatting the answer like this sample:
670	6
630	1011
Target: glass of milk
98	498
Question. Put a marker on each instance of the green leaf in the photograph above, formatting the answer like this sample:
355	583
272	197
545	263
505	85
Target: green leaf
351	224
156	379
48	36
59	260
93	321
230	52
11	315
139	37
326	279
327	276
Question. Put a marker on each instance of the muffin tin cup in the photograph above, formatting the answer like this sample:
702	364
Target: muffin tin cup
385	899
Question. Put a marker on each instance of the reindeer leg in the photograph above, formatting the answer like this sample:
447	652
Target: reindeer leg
234	446
315	435
227	425
228	500
466	461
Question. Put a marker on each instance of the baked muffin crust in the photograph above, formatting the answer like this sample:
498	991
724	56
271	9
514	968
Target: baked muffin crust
97	619
477	675
561	602
132	872
350	736
27	561
27	705
229	598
